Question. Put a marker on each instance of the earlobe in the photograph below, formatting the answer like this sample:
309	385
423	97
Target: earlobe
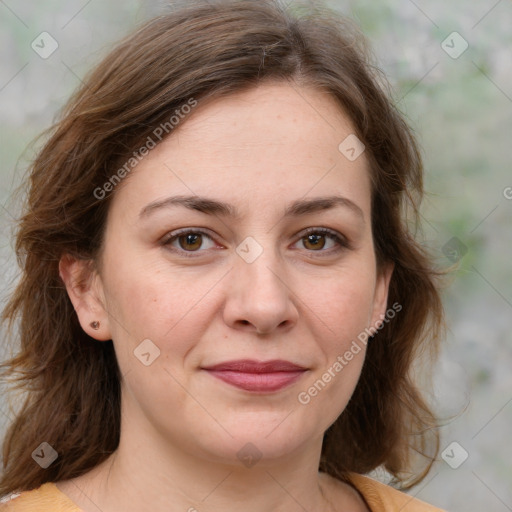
84	289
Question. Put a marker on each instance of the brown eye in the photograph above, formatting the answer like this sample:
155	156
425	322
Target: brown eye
190	241
314	241
323	241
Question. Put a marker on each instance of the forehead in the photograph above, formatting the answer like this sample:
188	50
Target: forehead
270	117
273	143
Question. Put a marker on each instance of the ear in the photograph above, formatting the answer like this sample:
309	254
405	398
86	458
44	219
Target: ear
85	290
381	295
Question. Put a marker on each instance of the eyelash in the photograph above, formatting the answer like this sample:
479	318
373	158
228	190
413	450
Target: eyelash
339	239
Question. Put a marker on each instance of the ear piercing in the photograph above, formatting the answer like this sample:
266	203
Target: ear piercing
95	325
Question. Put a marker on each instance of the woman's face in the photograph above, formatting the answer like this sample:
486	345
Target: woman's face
264	285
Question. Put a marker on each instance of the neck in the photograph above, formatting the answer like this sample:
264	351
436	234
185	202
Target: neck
174	480
146	473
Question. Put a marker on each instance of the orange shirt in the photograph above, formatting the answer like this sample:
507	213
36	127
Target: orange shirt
378	496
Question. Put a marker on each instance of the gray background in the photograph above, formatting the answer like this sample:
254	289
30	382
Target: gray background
461	109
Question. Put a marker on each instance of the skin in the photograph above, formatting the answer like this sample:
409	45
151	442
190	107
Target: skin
181	428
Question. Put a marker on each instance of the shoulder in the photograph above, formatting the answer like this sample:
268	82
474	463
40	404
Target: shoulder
384	498
46	498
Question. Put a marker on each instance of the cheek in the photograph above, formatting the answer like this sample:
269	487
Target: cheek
343	305
149	302
340	310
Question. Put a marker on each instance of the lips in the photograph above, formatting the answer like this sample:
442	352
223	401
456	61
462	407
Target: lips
257	376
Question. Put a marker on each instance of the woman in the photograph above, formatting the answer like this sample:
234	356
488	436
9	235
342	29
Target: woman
221	299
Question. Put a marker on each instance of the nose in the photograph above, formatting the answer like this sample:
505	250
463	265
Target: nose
259	298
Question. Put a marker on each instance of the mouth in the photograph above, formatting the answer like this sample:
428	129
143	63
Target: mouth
257	376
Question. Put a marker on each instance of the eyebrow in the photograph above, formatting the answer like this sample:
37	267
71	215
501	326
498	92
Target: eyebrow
214	207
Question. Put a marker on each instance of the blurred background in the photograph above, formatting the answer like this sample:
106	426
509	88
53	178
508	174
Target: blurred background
450	67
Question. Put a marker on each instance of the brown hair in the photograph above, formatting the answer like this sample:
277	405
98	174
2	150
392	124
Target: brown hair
70	382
